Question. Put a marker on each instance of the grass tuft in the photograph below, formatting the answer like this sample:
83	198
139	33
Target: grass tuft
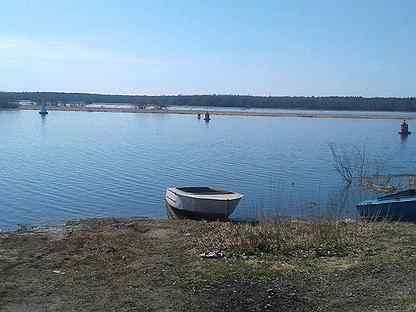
290	238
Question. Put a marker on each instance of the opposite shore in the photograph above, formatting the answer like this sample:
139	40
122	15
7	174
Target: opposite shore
305	114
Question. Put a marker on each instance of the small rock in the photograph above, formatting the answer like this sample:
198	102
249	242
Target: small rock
212	255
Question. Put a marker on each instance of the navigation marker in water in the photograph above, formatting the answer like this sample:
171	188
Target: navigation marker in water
404	129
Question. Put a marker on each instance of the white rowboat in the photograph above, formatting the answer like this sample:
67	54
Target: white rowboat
201	202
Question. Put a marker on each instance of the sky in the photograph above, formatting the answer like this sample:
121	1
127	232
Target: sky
292	47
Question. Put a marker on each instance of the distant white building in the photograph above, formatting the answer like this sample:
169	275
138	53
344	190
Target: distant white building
26	102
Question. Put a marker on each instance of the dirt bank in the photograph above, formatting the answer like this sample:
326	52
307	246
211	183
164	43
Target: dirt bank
142	265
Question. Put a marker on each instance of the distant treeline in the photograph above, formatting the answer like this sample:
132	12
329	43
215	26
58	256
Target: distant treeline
6	101
285	102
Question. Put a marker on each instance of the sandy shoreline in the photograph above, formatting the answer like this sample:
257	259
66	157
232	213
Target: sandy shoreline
306	114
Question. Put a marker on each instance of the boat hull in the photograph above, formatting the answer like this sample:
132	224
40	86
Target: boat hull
200	207
174	213
397	211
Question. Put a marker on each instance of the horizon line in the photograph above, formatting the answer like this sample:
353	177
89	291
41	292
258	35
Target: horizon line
213	94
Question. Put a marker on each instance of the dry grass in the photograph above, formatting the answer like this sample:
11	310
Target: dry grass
291	238
144	265
408	302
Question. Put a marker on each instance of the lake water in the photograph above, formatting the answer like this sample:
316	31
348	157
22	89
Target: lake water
73	165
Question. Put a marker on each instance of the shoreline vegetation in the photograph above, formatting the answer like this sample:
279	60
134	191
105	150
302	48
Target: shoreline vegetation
183	265
306	114
344	103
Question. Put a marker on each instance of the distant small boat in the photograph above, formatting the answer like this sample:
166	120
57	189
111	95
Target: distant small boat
400	206
43	110
201	203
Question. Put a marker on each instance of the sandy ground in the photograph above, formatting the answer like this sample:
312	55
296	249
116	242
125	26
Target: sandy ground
306	114
143	265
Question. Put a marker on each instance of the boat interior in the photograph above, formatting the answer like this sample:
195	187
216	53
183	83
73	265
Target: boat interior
203	191
402	194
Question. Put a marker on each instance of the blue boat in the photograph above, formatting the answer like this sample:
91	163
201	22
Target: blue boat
400	206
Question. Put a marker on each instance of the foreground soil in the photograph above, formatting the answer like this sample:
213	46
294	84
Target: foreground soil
143	265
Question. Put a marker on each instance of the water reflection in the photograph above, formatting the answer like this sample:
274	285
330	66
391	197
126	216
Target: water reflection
403	138
43	125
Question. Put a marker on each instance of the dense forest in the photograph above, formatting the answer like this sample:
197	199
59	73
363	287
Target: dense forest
286	102
6	101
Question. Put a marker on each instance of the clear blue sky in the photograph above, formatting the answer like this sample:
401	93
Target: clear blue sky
292	47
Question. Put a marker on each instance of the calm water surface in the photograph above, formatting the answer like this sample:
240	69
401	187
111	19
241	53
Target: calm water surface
73	165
